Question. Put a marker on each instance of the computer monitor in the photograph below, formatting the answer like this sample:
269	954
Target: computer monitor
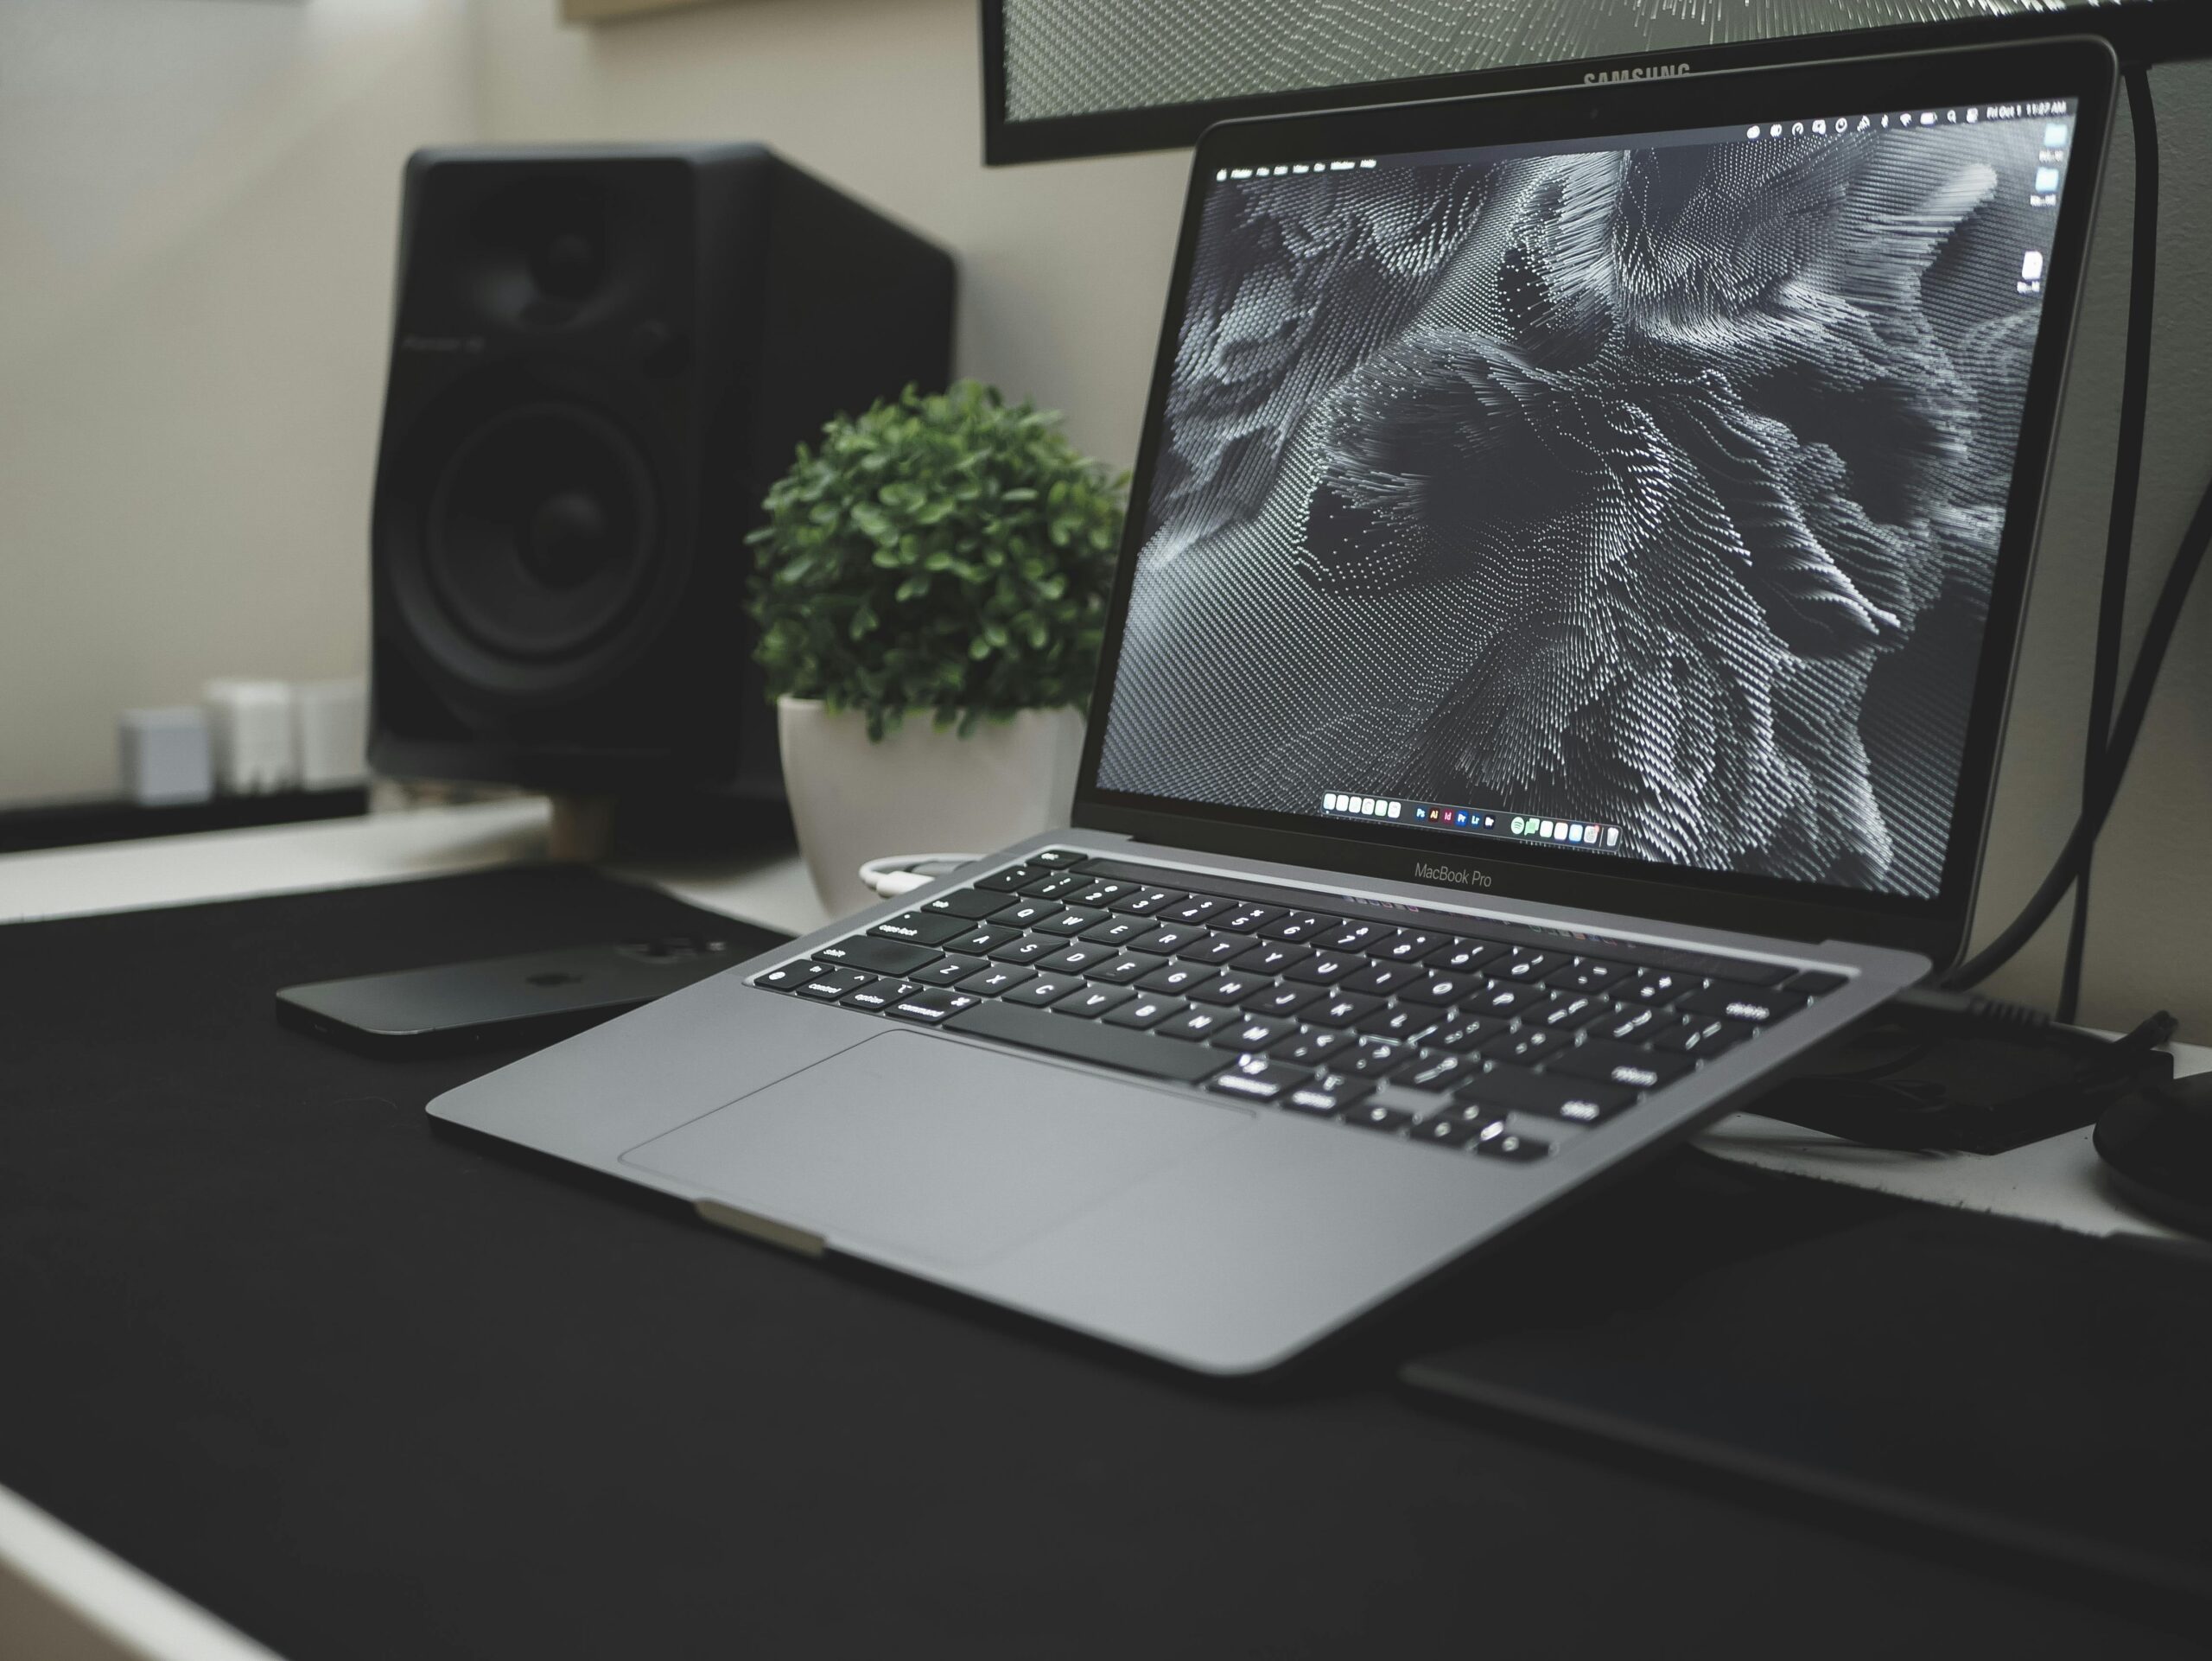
1065	78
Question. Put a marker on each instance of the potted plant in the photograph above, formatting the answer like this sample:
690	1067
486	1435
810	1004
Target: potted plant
930	590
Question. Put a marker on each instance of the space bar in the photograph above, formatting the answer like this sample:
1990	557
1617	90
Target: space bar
1083	1040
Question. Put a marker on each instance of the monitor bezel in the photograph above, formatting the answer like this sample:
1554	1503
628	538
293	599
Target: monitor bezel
2084	68
2160	31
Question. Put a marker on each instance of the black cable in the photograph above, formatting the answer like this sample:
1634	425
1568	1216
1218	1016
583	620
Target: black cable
2157	636
2126	487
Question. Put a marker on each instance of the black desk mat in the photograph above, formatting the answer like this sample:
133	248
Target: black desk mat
365	1389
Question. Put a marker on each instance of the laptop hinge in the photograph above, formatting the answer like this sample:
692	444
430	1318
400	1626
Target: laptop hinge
802	1241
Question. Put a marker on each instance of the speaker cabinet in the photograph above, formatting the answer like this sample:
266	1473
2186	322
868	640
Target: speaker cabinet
602	359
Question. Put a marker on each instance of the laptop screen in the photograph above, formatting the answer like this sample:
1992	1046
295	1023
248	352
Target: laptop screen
1639	497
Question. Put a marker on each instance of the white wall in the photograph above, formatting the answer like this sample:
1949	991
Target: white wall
180	434
197	202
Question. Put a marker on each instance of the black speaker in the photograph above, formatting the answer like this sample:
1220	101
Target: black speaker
602	359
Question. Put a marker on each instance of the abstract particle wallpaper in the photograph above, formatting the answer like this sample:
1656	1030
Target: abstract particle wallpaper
1660	487
1079	57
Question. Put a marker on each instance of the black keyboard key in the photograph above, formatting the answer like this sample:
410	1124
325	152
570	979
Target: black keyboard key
1011	880
1271	957
1128	968
1176	978
1377	1057
1146	1009
1436	990
1258	1078
1197	1023
1195	909
1342	1008
1627	1024
1373	1115
1073	920
883	957
1588	975
1381	978
1407	946
982	939
1464	1033
1658	988
1247	919
1281	1000
1026	913
880	994
1524	966
1100	892
1463	957
1735	1002
1311	1048
1055	884
1527	1046
1058	857
974	904
950	971
1401	1022
1565	1012
834	984
1145	902
1232	988
1087	1041
1449	1129
1354	936
1325	967
1027	950
1252	1032
1079	957
1436	1070
922	929
1496	1142
1218	948
1092	999
1118	931
933	1005
1620	1064
1501	999
1300	926
788	977
1168	939
1701	1036
1042	990
1551	1095
1330	1094
995	979
1814	982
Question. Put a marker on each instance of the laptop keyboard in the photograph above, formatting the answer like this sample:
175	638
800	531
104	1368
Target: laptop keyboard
1494	1038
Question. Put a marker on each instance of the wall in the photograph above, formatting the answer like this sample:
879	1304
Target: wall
197	200
185	442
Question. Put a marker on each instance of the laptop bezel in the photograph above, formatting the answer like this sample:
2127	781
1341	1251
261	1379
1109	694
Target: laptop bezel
2081	68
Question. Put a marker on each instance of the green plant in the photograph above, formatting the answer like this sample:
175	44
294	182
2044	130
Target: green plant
948	552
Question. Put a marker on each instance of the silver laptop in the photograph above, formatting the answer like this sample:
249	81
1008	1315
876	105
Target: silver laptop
1554	678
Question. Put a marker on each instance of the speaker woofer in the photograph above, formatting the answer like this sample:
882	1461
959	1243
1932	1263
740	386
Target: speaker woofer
541	532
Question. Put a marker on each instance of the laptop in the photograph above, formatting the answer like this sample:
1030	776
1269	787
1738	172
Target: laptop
1555	677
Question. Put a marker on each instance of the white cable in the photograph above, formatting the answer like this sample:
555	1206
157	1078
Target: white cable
897	873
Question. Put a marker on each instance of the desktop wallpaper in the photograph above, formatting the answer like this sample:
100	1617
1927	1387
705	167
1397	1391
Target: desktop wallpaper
1079	57
1659	487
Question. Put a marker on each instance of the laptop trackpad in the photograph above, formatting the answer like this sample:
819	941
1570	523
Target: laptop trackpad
932	1149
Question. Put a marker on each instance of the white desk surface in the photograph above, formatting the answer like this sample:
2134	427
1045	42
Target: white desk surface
2054	1181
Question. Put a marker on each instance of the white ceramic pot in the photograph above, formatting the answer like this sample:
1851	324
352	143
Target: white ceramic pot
921	789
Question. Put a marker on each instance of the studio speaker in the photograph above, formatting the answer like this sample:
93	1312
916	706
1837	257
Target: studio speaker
602	359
